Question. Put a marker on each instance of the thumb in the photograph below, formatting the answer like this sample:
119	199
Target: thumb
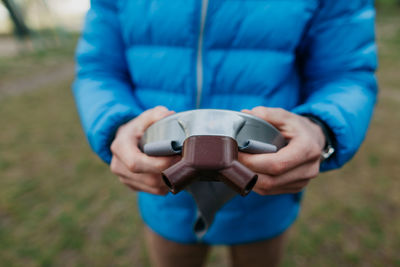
278	117
153	115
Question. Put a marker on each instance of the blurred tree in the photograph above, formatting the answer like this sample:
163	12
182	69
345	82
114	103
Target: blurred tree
21	29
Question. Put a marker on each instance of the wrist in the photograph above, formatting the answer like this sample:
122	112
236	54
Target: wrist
327	145
320	136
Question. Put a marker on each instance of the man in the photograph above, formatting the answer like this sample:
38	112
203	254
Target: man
305	66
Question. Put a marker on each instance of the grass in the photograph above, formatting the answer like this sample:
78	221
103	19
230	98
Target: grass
58	203
60	206
46	52
351	217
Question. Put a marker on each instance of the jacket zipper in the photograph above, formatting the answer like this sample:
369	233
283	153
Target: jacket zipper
199	63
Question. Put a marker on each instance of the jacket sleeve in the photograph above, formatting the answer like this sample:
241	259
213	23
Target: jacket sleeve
338	61
103	89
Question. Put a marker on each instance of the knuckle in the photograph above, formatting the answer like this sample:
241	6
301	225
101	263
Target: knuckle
158	112
282	112
314	171
311	149
133	166
245	159
113	147
315	151
153	182
161	165
266	184
113	166
278	168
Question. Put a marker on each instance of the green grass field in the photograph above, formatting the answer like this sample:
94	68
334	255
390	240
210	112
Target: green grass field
60	206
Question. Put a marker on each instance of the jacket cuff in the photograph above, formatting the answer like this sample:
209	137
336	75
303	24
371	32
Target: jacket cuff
335	122
102	134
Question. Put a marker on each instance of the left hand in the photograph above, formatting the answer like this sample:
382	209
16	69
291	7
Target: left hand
291	168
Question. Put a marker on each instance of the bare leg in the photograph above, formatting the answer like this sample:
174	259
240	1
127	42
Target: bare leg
259	254
166	253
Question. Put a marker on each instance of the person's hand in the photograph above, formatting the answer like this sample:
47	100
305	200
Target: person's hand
134	168
290	169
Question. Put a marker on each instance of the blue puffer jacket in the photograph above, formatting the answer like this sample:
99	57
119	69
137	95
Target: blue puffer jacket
308	56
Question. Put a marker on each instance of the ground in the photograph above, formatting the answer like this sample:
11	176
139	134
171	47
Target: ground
60	206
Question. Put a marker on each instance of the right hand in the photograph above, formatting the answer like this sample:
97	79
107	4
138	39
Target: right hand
134	168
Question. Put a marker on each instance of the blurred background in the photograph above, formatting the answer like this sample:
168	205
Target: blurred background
60	206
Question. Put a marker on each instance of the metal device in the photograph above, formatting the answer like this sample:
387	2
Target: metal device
209	141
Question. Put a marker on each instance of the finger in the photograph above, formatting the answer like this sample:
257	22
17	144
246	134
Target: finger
137	186
298	175
150	179
297	152
144	188
291	188
280	191
137	161
276	116
126	148
141	163
150	116
134	129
